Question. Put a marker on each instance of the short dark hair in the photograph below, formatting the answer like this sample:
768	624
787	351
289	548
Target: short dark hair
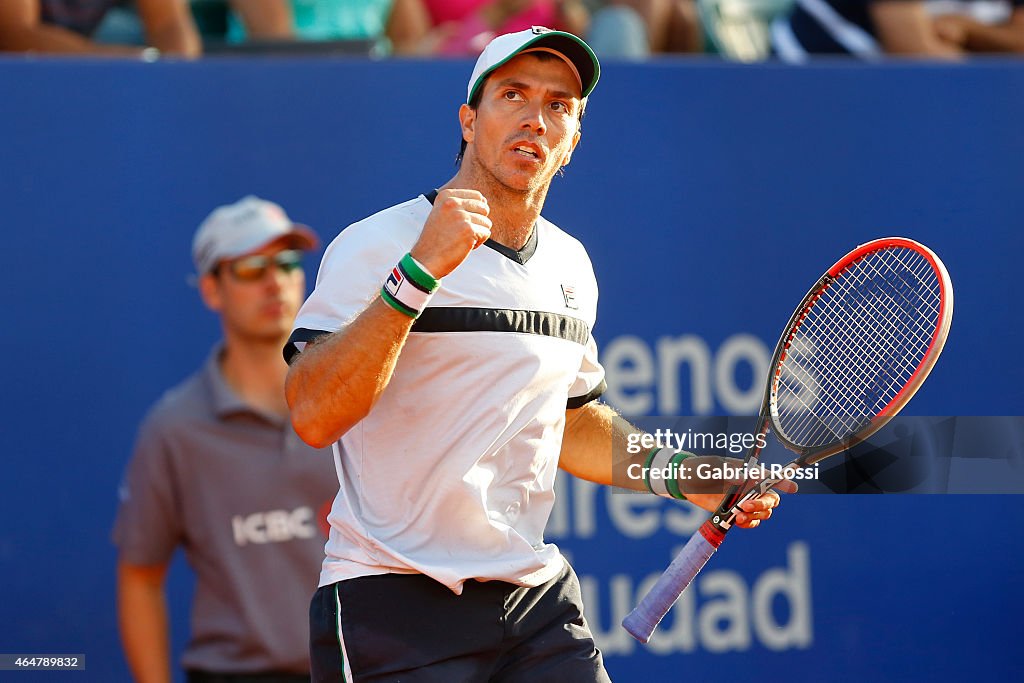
475	102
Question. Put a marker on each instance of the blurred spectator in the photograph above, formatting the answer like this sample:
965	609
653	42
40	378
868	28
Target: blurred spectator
219	471
979	26
67	26
740	30
468	25
672	25
403	24
870	29
618	32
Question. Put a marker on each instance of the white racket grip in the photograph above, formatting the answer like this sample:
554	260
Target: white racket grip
642	621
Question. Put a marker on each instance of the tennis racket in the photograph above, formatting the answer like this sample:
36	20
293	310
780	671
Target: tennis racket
856	349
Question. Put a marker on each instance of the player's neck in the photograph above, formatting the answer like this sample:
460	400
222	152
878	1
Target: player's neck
513	213
256	371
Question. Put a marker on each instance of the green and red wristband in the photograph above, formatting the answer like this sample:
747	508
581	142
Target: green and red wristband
409	287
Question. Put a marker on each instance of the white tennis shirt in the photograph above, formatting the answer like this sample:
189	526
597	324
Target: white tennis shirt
451	474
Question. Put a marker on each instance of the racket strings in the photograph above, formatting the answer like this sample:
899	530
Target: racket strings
835	385
862	355
851	422
857	345
841	424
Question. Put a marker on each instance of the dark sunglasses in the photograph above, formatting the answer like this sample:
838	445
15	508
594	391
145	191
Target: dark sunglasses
252	268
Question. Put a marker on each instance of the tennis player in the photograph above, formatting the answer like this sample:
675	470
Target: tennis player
446	352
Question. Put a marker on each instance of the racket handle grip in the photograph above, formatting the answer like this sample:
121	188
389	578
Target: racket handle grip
641	622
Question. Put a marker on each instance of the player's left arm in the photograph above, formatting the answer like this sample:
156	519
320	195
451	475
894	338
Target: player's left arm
595	446
170	27
974	36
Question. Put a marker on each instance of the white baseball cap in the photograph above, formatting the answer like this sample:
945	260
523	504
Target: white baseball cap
576	53
237	229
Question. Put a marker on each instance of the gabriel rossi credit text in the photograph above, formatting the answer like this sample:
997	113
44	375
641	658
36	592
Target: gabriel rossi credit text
734	443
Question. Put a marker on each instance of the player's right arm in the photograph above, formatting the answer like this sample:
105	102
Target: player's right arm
334	383
142	617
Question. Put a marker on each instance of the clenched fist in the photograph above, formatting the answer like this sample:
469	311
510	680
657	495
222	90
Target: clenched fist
457	225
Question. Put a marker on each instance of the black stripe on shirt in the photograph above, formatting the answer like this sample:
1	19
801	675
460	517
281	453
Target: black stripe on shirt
298	336
593	394
460	319
484	320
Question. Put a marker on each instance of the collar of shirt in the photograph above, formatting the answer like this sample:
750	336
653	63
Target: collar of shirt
225	401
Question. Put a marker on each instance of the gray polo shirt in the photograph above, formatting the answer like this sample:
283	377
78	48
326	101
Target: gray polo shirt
247	500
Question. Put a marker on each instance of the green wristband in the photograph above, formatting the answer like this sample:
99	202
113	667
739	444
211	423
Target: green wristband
394	303
671	464
673	484
418	273
647	469
409	287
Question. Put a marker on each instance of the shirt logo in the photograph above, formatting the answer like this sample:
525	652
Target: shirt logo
569	294
274	526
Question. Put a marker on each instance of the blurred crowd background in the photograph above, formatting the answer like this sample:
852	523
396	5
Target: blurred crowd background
741	30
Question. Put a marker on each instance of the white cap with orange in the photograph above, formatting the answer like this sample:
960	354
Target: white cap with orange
248	224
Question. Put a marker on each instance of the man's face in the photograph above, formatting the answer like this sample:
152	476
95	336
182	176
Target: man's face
259	294
527	123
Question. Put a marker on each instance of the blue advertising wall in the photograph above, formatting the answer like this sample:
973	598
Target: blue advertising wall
710	197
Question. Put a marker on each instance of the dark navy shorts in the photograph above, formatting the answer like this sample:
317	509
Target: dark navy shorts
410	628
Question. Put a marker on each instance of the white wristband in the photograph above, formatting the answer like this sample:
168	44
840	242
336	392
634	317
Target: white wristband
409	287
